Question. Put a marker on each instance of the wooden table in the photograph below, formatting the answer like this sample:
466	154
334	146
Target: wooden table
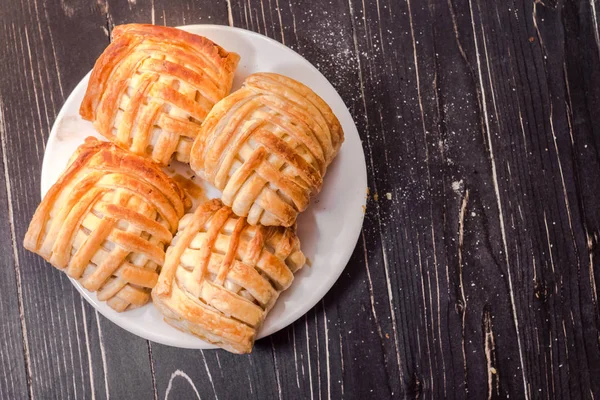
477	271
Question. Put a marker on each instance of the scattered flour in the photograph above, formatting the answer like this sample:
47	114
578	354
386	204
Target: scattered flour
458	187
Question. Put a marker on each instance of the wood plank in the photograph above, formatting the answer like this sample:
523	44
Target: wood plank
14	360
164	12
50	46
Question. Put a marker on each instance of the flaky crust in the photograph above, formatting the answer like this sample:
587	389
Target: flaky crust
106	222
153	86
222	276
267	147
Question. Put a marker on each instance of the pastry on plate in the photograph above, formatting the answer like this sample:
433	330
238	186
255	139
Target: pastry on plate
153	86
267	147
222	276
107	221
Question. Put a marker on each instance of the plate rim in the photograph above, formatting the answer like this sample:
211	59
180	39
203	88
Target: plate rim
201	344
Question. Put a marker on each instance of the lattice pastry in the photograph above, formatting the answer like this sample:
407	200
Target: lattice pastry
267	147
106	222
153	86
222	276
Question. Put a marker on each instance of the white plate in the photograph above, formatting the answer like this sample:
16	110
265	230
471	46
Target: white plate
329	229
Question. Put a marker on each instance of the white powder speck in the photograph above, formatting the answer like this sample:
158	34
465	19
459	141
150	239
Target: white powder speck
458	186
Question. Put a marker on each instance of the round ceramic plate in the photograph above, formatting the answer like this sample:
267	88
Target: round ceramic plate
328	230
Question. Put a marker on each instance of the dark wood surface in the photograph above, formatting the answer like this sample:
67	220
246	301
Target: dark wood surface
477	271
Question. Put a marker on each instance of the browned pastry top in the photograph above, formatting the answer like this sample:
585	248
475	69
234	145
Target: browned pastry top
106	222
267	147
222	276
153	86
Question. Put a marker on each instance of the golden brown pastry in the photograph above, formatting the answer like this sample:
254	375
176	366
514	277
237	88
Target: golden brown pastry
153	86
222	276
106	222
267	147
189	182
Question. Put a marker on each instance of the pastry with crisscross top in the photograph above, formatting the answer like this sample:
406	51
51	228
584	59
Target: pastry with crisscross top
106	222
222	276
153	86
267	147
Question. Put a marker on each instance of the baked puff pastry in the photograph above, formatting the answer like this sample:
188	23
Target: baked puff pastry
153	86
106	222
222	276
267	147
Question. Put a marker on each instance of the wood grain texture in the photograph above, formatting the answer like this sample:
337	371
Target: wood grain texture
13	356
476	272
67	349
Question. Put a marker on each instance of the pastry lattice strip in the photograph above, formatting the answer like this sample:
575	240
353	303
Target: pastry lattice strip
222	276
106	223
153	86
267	147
